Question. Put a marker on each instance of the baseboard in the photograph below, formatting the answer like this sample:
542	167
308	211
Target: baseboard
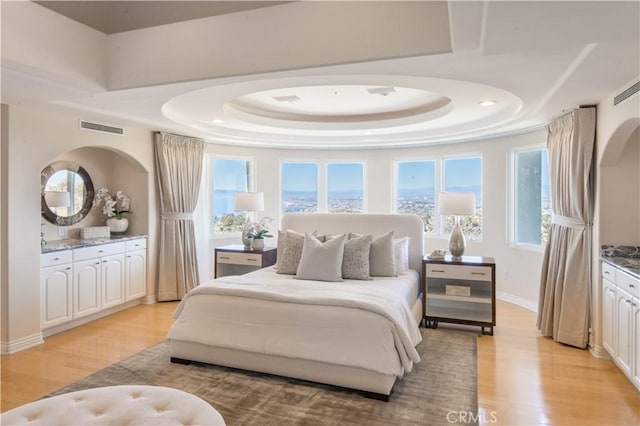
149	300
8	348
519	301
599	352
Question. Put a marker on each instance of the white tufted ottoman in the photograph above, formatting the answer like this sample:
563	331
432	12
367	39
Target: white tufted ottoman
116	405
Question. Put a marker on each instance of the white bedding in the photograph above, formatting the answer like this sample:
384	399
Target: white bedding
365	324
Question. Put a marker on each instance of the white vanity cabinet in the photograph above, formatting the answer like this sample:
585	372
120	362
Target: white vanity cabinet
136	269
56	280
621	319
80	282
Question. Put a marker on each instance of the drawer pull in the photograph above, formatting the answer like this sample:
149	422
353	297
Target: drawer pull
129	256
437	270
606	272
224	257
632	286
97	263
68	268
100	251
252	260
56	258
104	261
478	273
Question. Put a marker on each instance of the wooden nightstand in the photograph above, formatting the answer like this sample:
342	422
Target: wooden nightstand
461	291
235	260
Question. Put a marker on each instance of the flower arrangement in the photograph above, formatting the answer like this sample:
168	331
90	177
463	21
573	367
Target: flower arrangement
261	229
112	205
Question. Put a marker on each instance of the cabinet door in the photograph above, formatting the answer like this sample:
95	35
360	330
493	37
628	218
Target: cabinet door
113	280
136	274
624	325
636	341
86	287
608	316
57	295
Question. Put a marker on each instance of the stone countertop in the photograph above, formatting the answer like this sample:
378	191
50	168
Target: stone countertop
626	258
77	243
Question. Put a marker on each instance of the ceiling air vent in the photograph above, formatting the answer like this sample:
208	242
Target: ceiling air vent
101	128
630	91
381	91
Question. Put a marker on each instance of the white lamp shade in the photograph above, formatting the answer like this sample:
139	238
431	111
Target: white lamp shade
457	203
249	201
57	198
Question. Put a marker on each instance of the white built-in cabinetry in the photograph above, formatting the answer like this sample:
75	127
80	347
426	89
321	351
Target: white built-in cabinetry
85	281
621	319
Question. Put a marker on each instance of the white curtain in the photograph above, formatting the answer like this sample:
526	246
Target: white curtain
179	171
565	284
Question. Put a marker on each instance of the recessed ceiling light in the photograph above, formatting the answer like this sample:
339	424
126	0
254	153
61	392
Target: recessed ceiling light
487	103
217	121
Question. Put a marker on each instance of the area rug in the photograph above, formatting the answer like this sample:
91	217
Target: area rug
441	389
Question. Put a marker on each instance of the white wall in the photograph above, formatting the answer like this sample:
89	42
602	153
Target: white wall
616	131
518	269
35	138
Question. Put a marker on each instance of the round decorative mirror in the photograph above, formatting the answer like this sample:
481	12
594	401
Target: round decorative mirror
66	193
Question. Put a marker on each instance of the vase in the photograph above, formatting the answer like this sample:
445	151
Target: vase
118	226
257	243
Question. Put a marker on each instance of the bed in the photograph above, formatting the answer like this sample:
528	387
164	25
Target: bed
358	334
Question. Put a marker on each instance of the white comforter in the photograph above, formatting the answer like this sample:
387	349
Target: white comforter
348	323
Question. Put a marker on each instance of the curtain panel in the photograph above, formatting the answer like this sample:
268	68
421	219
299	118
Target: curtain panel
565	284
179	171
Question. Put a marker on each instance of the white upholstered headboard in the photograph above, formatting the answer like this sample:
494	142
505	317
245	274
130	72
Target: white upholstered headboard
375	224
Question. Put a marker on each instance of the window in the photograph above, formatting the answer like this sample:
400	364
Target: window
299	187
531	198
464	175
415	190
230	175
345	192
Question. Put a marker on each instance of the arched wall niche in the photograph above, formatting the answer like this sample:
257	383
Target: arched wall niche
113	169
620	186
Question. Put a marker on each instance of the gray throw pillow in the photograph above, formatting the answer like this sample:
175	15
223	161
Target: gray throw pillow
293	242
381	257
321	261
355	262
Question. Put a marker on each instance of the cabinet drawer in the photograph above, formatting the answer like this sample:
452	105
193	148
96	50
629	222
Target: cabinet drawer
92	252
239	258
461	272
609	271
628	283
55	258
136	244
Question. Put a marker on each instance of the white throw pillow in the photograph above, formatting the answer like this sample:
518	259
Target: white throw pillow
381	257
401	254
321	261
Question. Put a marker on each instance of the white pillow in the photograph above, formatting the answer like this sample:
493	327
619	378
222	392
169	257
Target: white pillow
321	261
381	257
401	254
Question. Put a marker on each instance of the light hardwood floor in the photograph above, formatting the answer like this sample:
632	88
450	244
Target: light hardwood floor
524	379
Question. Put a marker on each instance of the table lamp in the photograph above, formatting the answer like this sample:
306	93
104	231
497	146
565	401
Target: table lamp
248	202
457	204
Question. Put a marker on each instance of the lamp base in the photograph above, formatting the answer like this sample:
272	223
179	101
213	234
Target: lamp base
457	242
246	230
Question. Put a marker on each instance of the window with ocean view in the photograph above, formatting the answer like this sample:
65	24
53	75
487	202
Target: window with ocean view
299	187
345	187
531	197
415	190
230	175
464	174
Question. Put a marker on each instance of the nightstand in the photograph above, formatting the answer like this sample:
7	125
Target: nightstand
461	291
235	260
